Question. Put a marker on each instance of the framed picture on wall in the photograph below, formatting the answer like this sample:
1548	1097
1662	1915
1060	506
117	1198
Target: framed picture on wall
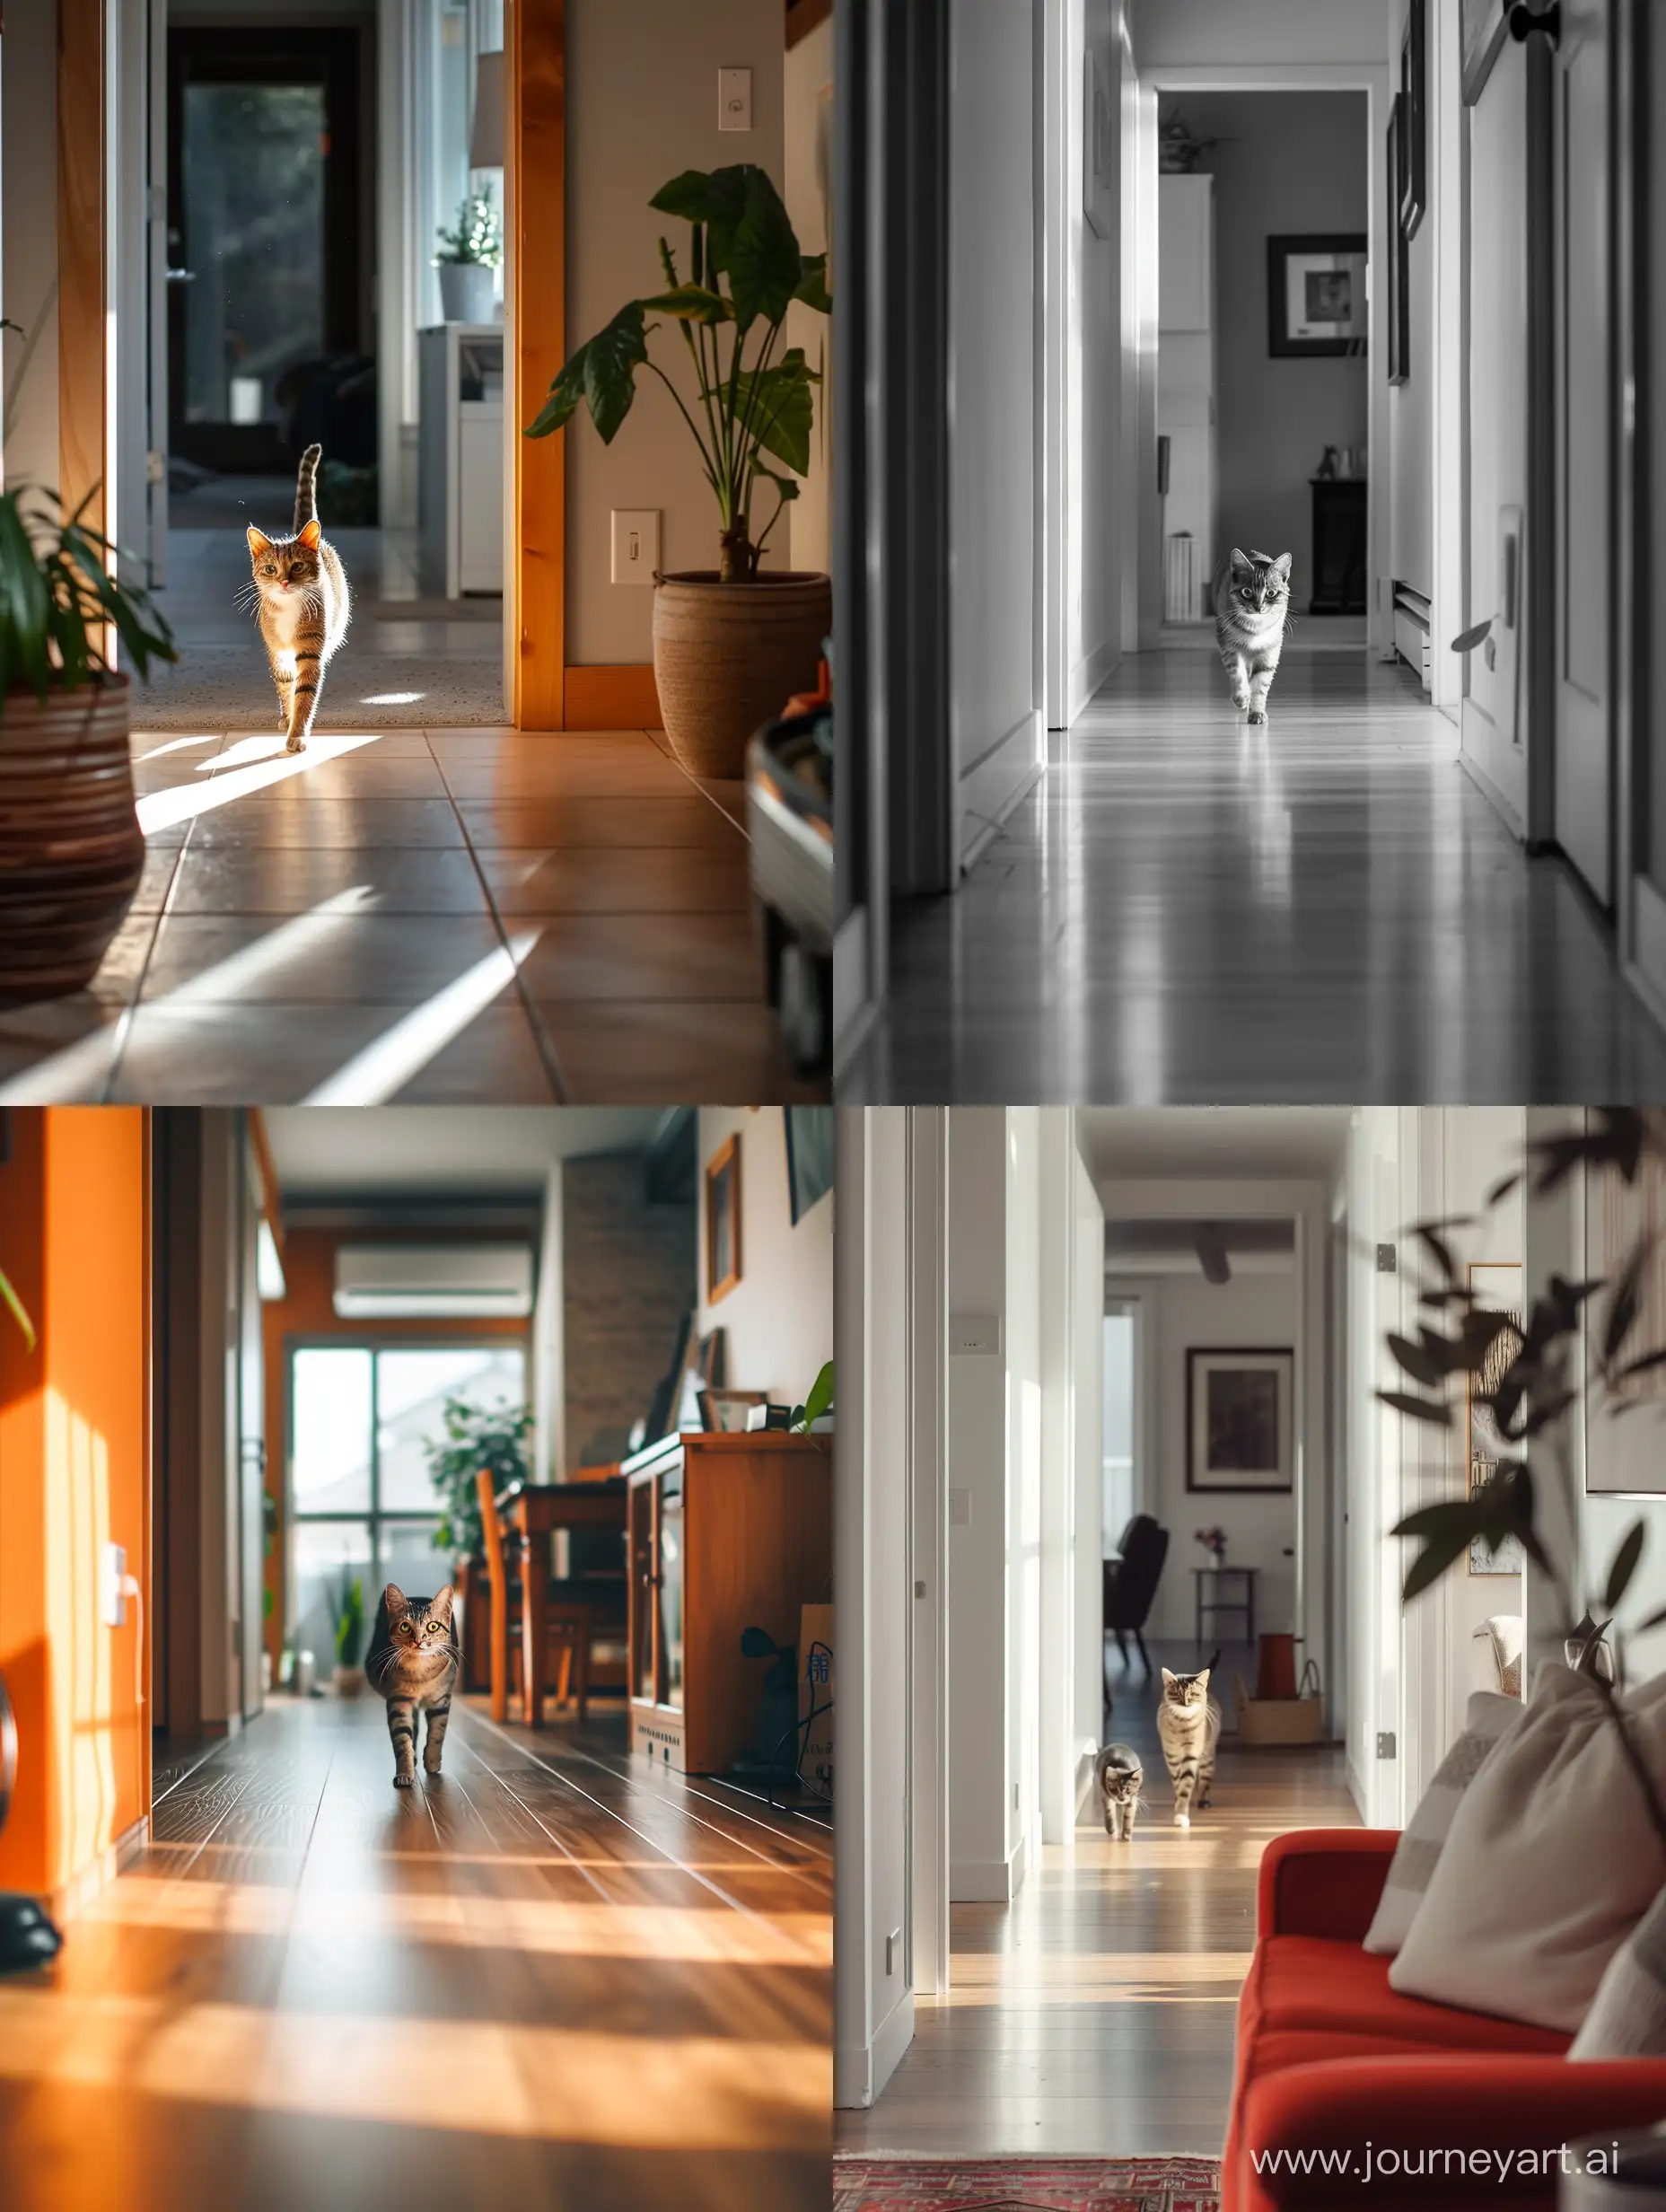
1483	26
1498	1285
1414	181
1099	199
1240	1430
1396	325
1316	296
808	1157
723	1220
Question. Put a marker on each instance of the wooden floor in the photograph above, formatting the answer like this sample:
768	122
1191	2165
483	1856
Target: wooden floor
1094	2015
432	915
553	1978
1324	910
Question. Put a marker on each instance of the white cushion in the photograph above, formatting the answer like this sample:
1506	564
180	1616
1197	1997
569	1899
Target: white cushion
1550	1862
1489	1717
1627	2015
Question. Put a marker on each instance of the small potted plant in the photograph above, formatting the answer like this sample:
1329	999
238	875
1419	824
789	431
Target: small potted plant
494	1437
71	848
731	644
348	1614
470	253
814	1418
1213	1542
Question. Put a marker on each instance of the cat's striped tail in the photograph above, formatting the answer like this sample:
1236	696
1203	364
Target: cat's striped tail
306	481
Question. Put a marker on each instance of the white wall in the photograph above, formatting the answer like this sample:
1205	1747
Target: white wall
807	187
630	127
996	721
778	1319
28	244
873	2002
1199	34
1409	475
1182	1312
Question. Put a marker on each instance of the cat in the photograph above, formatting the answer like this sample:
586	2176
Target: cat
1118	1774
413	1663
300	588
1189	1727
1251	600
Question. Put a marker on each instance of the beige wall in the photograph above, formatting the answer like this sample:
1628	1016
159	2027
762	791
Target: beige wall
631	128
29	242
808	156
778	1319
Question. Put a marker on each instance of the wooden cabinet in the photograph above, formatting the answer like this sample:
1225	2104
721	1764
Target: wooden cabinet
460	474
724	1534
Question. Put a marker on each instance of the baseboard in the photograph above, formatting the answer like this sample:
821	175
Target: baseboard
987	1880
78	1892
621	697
1483	783
1357	1791
861	2070
1086	677
1086	1761
989	793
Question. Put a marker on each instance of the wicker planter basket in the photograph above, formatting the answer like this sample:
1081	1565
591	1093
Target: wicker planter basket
728	656
71	848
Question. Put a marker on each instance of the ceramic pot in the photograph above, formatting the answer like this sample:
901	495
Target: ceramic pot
468	292
728	656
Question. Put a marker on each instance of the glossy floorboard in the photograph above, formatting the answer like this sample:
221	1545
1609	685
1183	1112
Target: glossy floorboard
432	915
1324	908
1095	2013
550	1978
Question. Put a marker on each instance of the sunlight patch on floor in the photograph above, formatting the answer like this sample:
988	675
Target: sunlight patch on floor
263	762
501	2078
383	1069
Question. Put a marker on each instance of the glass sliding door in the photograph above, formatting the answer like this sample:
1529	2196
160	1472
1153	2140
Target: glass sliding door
360	1503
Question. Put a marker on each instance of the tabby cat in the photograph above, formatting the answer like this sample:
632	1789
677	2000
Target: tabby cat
1189	1727
1251	600
413	1663
302	591
1120	1775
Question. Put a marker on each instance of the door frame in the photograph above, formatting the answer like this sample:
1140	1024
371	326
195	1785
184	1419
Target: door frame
1141	240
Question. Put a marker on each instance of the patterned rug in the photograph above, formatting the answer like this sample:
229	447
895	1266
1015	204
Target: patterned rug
867	2183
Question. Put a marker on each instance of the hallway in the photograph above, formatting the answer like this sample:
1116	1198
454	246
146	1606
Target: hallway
553	1977
1186	908
420	914
1095	2014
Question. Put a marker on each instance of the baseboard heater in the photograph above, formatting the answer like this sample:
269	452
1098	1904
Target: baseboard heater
1182	586
1411	630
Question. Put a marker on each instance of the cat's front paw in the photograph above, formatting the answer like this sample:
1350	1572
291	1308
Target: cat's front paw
430	1766
296	744
1182	1819
1256	714
403	1781
1241	699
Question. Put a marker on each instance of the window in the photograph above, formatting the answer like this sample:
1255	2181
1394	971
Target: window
360	1500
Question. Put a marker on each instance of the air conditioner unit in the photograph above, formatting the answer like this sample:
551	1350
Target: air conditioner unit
413	1282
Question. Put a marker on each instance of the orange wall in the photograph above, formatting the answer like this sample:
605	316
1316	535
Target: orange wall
308	1313
73	1474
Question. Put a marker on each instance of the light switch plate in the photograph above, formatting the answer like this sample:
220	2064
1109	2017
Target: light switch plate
636	544
734	99
960	1509
112	1585
974	1332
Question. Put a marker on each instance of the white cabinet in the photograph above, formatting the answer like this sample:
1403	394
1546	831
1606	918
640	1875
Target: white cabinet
1186	389
460	475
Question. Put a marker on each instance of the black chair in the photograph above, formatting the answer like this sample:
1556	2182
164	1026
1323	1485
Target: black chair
1131	1582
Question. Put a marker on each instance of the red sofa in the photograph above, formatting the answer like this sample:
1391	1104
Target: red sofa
1329	2058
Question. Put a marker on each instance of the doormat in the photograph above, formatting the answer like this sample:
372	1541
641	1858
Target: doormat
867	2182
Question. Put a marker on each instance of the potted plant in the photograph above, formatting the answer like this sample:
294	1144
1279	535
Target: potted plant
469	252
731	644
71	848
1213	1542
494	1437
814	1418
347	1612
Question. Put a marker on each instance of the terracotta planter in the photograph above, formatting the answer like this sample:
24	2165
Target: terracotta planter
349	1682
71	848
728	656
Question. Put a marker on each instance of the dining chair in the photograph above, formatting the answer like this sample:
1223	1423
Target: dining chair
581	1612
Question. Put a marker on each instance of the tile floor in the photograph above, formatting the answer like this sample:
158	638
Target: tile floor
444	915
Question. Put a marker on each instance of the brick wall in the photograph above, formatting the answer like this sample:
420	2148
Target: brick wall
628	1276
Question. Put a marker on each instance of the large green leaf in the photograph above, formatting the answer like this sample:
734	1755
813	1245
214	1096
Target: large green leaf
812	283
715	198
603	372
690	304
764	263
777	405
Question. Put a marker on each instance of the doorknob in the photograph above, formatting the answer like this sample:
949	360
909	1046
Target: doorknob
181	276
1523	22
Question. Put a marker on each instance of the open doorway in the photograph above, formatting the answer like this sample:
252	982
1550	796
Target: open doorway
1263	386
313	174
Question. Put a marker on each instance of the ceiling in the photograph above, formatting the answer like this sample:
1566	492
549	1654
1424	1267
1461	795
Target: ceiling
358	1151
1215	1248
1298	1142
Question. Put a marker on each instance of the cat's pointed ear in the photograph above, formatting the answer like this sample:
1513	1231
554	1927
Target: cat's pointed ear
257	541
1280	567
395	1599
1242	562
1168	1679
441	1602
310	535
1202	1677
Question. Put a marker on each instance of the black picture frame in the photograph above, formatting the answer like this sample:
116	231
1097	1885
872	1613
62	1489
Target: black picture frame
808	1157
1483	27
1280	252
1271	1365
1414	78
1396	318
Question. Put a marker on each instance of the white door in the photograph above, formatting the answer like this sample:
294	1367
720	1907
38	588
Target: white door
157	259
1494	720
1585	485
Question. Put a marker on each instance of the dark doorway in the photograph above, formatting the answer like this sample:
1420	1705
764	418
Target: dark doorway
269	326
